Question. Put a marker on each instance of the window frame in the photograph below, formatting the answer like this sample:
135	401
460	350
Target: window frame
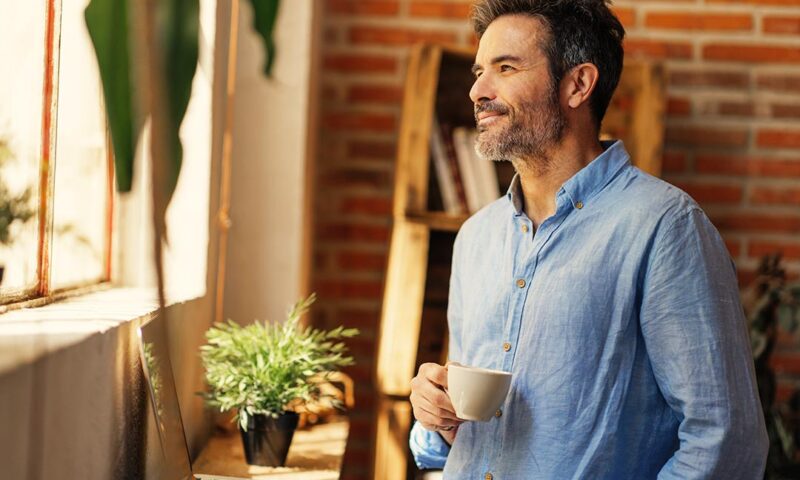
43	293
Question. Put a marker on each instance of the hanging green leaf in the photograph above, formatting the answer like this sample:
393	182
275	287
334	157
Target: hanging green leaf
264	14
107	23
178	26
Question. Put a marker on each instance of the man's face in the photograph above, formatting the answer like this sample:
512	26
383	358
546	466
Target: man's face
516	106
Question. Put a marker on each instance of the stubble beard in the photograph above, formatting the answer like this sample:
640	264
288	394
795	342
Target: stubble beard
530	132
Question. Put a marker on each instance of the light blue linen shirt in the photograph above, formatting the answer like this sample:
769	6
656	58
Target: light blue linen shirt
625	337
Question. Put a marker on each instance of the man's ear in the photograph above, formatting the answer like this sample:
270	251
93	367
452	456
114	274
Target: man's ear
580	83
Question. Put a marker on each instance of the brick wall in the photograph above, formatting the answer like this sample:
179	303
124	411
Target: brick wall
732	141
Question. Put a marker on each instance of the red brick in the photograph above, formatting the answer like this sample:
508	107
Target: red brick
626	16
348	232
757	223
709	78
339	289
331	35
397	36
786	363
782	25
362	345
374	122
745	52
706	193
375	94
362	7
698	21
736	109
361	318
679	107
745	277
706	136
657	48
749	166
350	63
778	138
779	83
783	110
448	10
785	390
673	162
758	249
775	196
380	206
371	149
734	247
356	177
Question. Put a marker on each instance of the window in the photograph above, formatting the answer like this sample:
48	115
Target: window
56	192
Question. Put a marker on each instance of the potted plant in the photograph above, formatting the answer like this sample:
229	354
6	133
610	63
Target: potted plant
773	306
265	371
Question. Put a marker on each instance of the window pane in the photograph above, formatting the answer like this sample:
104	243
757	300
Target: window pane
81	171
21	97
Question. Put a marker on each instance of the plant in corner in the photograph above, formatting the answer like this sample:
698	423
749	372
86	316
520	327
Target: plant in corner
265	371
773	306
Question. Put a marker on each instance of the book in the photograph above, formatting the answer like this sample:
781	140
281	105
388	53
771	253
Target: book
452	158
444	173
479	174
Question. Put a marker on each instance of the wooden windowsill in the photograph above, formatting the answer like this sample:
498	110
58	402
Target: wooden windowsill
315	454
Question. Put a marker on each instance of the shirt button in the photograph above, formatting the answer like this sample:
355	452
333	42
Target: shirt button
498	413
521	283
488	476
506	346
579	205
524	228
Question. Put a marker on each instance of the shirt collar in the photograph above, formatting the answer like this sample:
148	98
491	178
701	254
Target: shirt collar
584	184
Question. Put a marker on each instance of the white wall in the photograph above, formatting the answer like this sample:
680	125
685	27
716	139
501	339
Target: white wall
274	120
81	410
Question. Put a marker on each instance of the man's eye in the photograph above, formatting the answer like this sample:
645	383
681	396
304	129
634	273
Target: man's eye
506	68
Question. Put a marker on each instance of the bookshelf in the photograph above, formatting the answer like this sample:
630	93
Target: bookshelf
414	312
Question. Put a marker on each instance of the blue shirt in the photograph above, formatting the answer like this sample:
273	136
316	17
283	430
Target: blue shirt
620	321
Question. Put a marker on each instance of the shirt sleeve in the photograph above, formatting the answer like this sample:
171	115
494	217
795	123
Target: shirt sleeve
429	448
696	337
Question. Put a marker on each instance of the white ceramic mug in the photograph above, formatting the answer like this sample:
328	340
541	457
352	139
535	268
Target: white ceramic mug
476	393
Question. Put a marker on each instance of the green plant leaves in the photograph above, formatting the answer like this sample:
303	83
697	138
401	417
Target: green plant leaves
264	14
178	25
266	368
107	23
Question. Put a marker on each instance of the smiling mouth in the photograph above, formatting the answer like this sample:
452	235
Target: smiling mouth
486	118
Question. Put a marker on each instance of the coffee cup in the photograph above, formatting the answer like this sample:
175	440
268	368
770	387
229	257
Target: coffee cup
476	393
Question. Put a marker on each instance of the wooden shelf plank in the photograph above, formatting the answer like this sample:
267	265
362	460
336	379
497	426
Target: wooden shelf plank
437	220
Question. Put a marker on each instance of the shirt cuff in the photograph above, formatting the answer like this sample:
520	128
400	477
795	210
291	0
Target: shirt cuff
429	448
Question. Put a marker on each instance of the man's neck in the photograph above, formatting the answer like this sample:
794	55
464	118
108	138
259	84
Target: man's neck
540	185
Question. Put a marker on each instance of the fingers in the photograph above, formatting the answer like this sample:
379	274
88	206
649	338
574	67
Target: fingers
434	402
431	405
431	421
435	373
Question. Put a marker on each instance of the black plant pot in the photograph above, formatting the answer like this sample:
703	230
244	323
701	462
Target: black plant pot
266	441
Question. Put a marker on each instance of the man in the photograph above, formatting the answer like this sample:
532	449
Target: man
606	292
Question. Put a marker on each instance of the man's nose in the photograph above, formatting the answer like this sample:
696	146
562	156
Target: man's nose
482	90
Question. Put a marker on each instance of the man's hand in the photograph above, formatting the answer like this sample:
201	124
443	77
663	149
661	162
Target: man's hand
432	407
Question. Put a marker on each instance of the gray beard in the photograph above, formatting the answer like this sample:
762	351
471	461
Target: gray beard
527	138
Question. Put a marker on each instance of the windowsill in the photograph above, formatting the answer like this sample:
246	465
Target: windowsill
28	334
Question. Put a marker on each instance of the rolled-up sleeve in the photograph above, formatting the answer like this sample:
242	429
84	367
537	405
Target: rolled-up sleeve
429	448
696	338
